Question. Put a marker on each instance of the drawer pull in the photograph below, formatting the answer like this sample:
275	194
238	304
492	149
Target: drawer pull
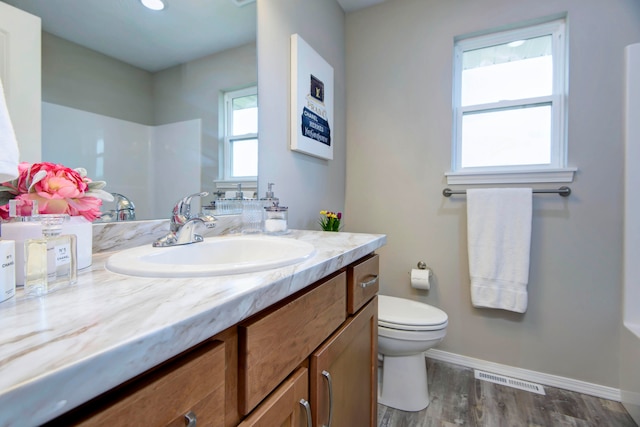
191	419
327	376
369	282
307	409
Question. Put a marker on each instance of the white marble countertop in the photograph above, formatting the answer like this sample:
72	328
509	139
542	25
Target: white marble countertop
60	350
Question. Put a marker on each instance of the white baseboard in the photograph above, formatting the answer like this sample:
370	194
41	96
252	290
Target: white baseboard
525	374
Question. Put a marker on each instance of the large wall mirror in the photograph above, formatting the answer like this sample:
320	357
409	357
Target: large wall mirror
137	97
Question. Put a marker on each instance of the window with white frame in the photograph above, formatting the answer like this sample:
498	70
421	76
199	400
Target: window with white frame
509	99
241	134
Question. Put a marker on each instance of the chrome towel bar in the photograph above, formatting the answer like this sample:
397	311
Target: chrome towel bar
562	191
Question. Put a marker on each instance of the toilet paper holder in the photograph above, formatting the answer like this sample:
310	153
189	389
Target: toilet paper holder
422	265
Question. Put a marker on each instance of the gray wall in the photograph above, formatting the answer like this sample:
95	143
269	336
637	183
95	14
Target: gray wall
84	79
399	76
303	183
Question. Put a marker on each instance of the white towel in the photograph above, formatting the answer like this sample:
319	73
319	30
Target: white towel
8	143
499	242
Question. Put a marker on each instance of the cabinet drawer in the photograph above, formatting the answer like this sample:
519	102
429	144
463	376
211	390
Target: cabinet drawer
193	383
362	283
274	344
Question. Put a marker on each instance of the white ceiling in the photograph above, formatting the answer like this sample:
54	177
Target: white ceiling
153	41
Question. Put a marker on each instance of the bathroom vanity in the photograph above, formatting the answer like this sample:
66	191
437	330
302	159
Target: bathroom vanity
247	349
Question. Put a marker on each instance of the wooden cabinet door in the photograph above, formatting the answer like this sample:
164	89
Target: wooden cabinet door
343	373
286	406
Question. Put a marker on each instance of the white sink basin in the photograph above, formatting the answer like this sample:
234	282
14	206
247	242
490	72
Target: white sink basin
214	257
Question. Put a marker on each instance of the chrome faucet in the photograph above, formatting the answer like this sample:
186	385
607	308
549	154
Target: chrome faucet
125	209
183	224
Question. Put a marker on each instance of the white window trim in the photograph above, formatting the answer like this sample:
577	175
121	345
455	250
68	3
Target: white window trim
557	170
228	123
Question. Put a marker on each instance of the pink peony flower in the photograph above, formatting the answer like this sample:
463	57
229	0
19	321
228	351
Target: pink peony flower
57	189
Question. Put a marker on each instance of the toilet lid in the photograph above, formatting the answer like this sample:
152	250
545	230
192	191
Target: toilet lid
401	313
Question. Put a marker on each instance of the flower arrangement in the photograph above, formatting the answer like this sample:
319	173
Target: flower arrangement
330	221
57	189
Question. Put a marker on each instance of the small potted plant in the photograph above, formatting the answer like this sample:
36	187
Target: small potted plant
330	221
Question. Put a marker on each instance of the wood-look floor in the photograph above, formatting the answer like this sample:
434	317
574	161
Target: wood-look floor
458	399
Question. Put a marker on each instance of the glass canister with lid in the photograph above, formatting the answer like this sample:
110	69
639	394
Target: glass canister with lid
276	219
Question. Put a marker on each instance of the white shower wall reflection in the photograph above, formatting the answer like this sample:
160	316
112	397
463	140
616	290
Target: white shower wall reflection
153	166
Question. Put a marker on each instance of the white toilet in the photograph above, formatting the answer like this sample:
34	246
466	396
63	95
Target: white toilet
406	329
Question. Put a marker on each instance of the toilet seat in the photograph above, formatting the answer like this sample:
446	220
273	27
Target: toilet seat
408	315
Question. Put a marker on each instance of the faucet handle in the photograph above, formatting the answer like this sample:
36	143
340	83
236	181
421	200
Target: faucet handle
182	210
183	206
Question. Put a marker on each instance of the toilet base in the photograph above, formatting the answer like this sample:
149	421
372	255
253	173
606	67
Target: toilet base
404	383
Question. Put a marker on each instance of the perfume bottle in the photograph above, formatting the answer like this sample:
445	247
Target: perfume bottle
7	269
20	228
50	261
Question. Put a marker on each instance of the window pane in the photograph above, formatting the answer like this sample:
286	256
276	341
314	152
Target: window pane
519	136
244	157
515	70
245	115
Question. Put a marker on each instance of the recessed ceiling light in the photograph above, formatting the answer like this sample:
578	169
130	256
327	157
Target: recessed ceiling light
153	4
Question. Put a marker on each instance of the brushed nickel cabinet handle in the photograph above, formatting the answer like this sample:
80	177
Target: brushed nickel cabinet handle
191	419
307	409
327	376
369	283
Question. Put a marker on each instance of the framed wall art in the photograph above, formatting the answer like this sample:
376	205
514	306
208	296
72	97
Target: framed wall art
311	101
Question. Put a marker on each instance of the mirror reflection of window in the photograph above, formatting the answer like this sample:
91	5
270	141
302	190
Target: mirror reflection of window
241	134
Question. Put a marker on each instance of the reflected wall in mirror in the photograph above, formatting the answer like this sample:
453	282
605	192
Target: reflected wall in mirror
136	97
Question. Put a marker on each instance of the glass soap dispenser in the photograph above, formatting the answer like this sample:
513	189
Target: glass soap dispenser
50	261
269	199
276	219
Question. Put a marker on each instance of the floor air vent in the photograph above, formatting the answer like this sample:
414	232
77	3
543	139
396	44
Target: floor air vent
509	382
